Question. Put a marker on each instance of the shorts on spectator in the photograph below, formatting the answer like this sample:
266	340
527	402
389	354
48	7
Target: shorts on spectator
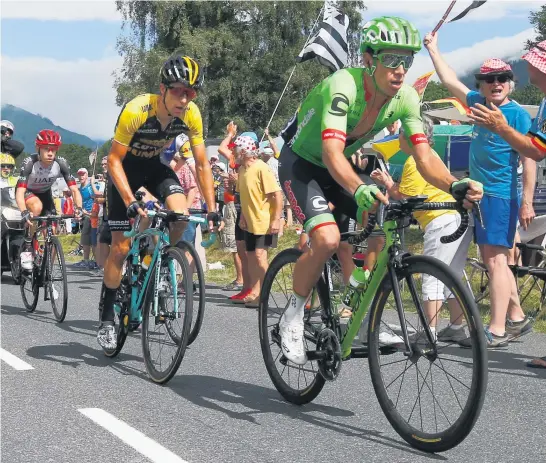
239	232
254	242
227	235
93	236
85	231
500	217
105	235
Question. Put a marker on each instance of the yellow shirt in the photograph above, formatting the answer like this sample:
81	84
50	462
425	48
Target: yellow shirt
139	129
413	184
254	184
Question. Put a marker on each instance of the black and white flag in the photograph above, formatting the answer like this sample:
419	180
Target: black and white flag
329	44
462	14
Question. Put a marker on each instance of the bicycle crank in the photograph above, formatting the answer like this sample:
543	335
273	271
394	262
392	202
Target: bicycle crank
328	345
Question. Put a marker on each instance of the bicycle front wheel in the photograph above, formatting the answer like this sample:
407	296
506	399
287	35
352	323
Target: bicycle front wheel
298	384
197	287
162	354
433	396
57	283
30	289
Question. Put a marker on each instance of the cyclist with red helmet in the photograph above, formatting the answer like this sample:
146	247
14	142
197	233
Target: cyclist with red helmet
33	191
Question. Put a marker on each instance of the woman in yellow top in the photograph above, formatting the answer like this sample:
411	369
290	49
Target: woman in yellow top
435	224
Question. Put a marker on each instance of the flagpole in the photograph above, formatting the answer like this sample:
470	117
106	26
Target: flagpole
293	69
444	17
95	159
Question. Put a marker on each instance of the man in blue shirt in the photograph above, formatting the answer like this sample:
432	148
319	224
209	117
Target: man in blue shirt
87	202
494	163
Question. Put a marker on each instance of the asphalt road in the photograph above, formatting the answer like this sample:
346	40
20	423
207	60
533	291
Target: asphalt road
64	401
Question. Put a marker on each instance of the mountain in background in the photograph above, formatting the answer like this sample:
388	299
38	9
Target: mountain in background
27	125
519	67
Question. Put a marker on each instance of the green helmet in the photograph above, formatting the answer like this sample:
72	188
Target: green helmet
390	32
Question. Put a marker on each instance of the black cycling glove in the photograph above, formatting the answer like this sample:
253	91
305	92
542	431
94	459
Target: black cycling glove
132	210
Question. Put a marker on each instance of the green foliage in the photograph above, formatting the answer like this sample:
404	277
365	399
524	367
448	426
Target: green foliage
247	48
435	91
529	95
77	156
538	20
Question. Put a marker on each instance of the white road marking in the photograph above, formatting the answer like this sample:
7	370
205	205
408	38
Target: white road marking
13	361
146	446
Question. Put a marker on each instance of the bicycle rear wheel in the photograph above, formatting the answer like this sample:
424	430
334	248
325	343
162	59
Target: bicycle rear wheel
57	284
198	288
440	380
298	384
174	309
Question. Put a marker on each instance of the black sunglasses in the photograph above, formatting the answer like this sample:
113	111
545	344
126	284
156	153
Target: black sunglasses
490	79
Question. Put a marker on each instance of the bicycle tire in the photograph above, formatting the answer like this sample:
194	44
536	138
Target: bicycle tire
30	304
197	319
161	377
123	325
295	396
456	433
60	315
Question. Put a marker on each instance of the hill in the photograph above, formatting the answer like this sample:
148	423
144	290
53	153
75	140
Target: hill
27	125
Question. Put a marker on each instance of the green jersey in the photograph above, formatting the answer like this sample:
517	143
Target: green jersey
335	107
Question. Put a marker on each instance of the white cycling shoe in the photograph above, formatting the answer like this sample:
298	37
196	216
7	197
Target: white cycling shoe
292	344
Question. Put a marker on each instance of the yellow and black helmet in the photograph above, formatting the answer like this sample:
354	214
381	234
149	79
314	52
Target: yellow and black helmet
182	69
7	160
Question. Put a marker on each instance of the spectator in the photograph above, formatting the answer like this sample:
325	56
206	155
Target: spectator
94	222
68	208
494	163
86	190
261	206
218	171
227	234
104	239
435	224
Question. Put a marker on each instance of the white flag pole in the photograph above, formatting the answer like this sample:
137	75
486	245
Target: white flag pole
293	69
95	159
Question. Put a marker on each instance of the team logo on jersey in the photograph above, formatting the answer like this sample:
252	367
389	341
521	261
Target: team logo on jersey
340	105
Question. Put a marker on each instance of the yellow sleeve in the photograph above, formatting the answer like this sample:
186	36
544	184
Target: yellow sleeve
411	183
269	182
193	120
131	118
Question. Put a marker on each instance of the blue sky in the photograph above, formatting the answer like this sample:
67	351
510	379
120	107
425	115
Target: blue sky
75	43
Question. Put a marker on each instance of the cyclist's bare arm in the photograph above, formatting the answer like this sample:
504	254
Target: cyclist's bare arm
338	165
445	73
204	175
77	195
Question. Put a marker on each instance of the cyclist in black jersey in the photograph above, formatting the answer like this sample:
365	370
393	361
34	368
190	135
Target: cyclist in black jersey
33	191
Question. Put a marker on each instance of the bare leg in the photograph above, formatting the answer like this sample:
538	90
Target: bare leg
345	255
500	288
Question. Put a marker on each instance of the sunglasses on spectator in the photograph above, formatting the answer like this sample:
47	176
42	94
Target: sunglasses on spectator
180	91
393	60
7	166
492	79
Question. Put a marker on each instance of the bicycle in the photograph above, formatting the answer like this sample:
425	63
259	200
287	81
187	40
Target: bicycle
530	281
145	294
409	342
42	273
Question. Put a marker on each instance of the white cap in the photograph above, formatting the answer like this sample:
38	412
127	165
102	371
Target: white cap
83	170
221	165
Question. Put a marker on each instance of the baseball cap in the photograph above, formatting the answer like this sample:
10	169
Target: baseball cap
82	170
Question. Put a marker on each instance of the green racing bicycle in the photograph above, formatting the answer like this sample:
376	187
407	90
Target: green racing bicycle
430	390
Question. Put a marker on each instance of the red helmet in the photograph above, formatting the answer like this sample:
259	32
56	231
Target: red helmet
48	137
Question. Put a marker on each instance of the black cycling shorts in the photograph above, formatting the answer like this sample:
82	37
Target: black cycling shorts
105	235
46	197
158	179
309	189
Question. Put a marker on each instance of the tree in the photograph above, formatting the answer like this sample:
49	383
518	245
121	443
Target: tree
538	20
77	156
435	91
529	95
248	50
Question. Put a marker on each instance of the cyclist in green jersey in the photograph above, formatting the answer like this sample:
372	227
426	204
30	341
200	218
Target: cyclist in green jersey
339	115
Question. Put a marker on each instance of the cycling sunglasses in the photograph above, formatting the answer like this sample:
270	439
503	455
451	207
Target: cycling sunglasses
7	166
393	60
502	79
180	91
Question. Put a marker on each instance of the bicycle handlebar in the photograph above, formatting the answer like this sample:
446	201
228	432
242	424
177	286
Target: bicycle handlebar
50	218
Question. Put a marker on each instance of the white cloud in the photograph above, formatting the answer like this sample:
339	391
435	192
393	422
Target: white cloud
67	10
465	60
427	13
77	95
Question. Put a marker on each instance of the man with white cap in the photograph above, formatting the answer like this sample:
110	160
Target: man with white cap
86	192
494	163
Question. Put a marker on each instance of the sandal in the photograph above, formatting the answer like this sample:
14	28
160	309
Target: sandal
539	362
233	286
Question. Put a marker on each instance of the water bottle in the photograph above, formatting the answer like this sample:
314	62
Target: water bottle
358	278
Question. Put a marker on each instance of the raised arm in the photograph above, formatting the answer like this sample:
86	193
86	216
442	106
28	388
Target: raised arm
445	73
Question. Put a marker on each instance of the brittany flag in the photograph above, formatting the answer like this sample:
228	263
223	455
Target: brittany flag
463	13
